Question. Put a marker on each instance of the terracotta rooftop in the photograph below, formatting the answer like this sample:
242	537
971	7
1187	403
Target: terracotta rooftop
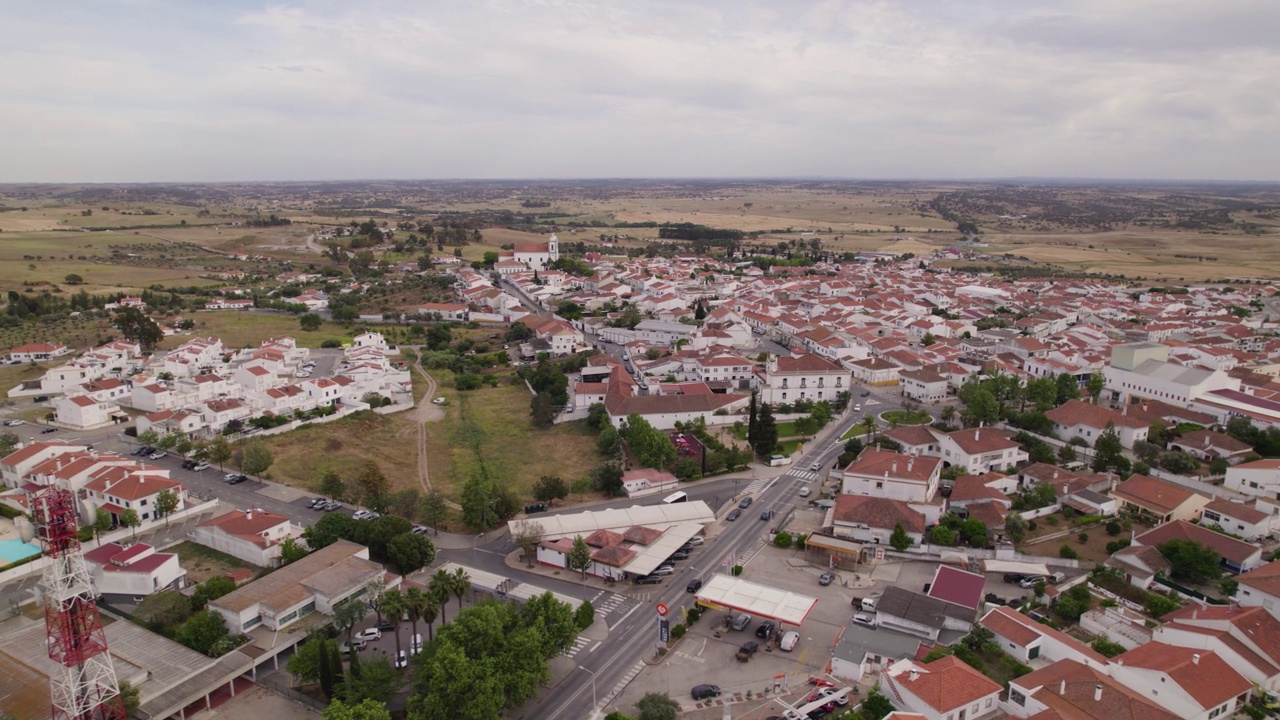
1152	494
877	512
948	684
1202	673
1079	412
885	463
1236	551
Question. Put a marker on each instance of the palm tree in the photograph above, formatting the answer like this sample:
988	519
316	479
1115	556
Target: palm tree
460	583
429	612
440	587
414	602
393	602
869	422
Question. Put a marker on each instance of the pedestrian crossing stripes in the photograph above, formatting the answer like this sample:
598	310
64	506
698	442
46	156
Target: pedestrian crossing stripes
607	602
751	552
805	475
622	685
758	485
578	643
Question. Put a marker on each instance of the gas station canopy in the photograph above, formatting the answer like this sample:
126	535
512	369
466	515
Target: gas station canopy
724	592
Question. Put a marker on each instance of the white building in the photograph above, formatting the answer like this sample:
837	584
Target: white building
808	377
1142	370
253	536
944	689
134	571
883	473
1260	478
82	412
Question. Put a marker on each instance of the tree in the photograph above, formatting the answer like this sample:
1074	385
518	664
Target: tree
101	523
129	518
131	697
585	615
1095	385
330	528
136	326
202	631
440	587
942	535
597	416
1108	452
579	556
981	408
766	432
459	584
1073	603
753	421
310	322
650	446
393	606
876	706
219	451
526	537
518	332
348	613
415	603
372	483
430	611
149	437
478	500
1068	387
367	709
1191	561
609	442
166	504
8	442
211	589
162	610
406	503
331	485
433	508
975	532
900	540
550	488
377	681
1015	527
73	279
305	665
256	459
410	552
291	551
657	706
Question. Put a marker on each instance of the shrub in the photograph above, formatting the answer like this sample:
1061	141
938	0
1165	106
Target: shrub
1051	519
782	540
737	570
1067	552
1158	605
1083	538
1116	546
584	615
1113	528
331	344
678	631
693	614
1032	525
1107	648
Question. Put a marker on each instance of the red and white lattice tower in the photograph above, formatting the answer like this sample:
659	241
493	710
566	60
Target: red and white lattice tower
84	685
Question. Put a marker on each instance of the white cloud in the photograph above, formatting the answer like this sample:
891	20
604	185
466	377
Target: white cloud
145	91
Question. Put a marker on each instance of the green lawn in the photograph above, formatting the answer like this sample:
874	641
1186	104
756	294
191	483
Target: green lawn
239	329
899	417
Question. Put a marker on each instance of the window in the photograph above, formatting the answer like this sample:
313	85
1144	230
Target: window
256	620
1017	697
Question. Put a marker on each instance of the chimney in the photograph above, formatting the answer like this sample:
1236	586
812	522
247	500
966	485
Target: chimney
248	514
1055	474
1064	488
895	467
1195	658
910	461
977	434
1062	689
1195	613
914	674
1097	692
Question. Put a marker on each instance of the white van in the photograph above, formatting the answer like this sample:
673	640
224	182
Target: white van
869	604
789	641
804	492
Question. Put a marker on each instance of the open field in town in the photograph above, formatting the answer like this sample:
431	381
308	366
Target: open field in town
344	446
497	422
244	328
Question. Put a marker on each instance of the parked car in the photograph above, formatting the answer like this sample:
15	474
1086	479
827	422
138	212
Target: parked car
734	514
664	570
419	529
368	634
830	692
741	622
747	650
765	629
789	640
865	393
746	502
358	646
826	578
864	619
228	476
864	604
156	455
696	540
200	467
46	431
236	480
766	514
694	586
385	626
535	508
649	580
702	692
680	555
415	644
804	492
188	464
14	423
402	660
1031	580
316	503
1014	577
330	506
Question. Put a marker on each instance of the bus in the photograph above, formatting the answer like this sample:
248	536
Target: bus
676	497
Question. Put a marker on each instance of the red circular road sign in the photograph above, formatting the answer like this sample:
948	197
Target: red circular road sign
662	609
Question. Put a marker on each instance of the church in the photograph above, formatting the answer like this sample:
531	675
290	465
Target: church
537	256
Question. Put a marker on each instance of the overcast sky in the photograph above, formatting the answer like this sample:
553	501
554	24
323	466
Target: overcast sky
166	90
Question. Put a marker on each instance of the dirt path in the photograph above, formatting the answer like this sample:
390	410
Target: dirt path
426	412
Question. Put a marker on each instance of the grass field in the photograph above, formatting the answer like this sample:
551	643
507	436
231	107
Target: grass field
50	257
344	445
497	421
239	329
202	563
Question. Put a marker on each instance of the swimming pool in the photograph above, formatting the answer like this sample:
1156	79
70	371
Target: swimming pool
11	551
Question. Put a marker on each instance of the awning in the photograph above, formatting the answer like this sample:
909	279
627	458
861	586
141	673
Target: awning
723	592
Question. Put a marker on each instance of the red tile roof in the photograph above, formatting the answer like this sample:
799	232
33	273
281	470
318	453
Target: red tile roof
1156	495
1236	551
873	461
948	684
1079	412
958	587
878	512
1202	673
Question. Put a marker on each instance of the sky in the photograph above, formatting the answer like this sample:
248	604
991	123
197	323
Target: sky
233	90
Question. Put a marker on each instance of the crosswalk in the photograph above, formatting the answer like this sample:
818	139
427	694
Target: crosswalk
751	552
579	643
805	475
759	484
607	602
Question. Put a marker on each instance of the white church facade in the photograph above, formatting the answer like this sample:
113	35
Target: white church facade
538	256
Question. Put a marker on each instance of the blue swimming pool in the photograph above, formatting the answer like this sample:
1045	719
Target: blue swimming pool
11	551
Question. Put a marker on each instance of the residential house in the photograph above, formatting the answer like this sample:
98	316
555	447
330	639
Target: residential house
1207	446
120	488
1080	419
1193	683
83	412
945	689
1070	690
924	386
1140	564
807	377
1237	556
1026	640
1246	637
920	615
872	519
883	473
449	312
35	352
1252	521
981	450
1141	370
1260	478
253	536
1158	499
128	573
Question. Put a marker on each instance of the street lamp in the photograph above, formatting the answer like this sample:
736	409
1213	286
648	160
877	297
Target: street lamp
474	541
593	687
